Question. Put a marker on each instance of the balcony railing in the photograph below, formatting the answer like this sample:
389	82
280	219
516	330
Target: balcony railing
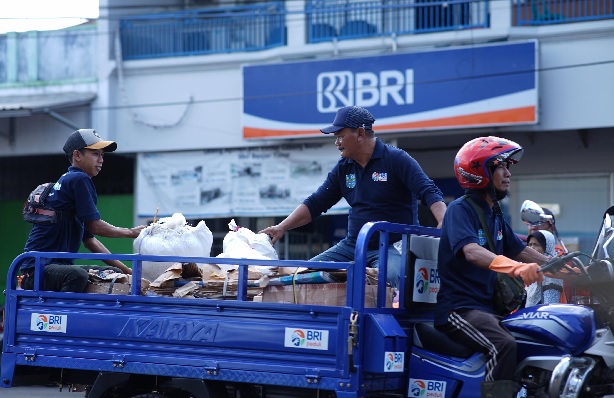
342	19
263	25
546	12
207	31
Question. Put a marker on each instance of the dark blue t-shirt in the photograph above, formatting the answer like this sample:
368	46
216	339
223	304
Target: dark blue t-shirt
387	189
464	285
74	192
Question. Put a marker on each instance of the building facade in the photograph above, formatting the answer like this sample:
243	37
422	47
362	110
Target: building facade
216	105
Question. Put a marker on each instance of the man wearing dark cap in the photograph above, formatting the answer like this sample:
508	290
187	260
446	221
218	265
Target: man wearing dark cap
74	195
379	182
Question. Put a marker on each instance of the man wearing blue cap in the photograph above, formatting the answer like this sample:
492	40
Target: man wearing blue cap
379	182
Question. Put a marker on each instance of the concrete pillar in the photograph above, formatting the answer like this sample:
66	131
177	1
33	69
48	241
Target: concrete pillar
296	22
500	14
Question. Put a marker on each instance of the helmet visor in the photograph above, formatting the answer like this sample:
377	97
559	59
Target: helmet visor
511	157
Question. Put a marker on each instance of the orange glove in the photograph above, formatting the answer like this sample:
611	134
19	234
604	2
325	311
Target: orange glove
527	271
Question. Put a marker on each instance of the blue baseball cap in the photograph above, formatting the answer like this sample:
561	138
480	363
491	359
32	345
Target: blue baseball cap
352	117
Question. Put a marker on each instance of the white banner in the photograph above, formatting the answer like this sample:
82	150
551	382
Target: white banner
255	182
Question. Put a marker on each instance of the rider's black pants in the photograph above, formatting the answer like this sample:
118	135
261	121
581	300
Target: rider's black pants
484	332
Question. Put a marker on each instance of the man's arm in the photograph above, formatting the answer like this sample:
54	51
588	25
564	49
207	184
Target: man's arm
483	258
299	217
530	255
96	246
478	255
103	228
439	210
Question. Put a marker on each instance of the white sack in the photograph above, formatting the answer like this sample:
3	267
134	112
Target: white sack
243	243
172	236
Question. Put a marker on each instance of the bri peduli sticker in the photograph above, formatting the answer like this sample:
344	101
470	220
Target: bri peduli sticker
48	323
426	388
393	361
310	339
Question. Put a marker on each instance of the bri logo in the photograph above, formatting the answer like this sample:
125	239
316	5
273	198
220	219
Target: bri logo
42	322
345	88
422	280
298	338
379	176
394	361
417	388
427	388
48	323
310	339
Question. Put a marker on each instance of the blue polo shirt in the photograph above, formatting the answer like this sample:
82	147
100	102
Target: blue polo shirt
387	189
464	285
74	192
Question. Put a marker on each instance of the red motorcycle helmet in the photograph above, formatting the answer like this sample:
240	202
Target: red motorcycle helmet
474	160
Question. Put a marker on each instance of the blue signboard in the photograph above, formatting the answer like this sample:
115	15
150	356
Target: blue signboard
453	88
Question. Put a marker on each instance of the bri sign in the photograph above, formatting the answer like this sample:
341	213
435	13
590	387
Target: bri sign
427	388
476	86
48	323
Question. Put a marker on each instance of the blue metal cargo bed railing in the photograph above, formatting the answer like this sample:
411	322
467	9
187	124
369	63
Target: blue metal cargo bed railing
210	339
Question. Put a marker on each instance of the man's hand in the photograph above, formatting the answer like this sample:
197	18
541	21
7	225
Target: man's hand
274	232
529	272
135	232
569	272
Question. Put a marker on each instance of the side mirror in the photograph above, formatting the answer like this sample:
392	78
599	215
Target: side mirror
532	213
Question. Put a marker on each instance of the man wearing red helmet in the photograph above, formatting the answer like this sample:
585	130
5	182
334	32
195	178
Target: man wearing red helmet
467	268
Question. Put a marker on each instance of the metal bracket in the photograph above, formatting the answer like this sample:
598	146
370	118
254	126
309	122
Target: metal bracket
119	361
30	355
313	376
212	368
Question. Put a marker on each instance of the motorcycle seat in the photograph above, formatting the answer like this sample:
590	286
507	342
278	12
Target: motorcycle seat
428	337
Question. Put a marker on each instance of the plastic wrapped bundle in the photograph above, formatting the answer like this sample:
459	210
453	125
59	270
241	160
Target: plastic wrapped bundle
172	236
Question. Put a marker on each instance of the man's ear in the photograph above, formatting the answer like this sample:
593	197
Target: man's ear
76	156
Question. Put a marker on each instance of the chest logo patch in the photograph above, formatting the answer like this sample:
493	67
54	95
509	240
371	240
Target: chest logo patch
350	180
481	237
379	176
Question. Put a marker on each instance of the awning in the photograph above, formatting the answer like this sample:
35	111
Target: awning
27	105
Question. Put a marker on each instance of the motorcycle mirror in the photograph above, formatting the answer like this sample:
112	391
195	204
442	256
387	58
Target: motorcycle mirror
532	213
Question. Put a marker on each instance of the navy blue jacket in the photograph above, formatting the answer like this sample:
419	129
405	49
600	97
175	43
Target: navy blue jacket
74	192
387	189
463	284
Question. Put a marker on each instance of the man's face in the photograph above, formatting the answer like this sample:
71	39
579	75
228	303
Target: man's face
89	161
346	141
501	177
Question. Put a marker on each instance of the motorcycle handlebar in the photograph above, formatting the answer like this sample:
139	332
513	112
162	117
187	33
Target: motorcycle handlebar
556	263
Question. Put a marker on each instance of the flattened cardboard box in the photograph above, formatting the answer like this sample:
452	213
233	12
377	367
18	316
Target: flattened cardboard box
320	294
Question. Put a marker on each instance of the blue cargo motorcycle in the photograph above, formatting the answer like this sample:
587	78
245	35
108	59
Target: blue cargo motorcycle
564	350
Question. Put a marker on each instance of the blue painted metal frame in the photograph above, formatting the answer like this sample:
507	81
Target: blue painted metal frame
330	20
548	12
204	339
205	31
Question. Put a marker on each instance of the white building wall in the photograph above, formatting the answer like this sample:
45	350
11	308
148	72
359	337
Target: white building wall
186	103
576	82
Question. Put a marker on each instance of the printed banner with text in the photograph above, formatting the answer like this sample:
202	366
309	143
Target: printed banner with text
254	182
